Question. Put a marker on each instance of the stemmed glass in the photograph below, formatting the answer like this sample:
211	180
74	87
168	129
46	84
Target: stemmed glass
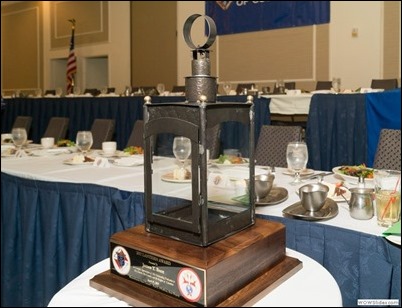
227	87
19	136
181	149
84	141
160	87
296	157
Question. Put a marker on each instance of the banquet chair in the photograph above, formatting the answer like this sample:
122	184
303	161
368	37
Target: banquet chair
146	90
177	89
213	141
93	92
323	85
272	143
102	130
24	122
242	86
386	84
57	128
388	153
137	135
291	85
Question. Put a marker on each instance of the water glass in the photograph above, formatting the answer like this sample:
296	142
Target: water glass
19	136
296	157
336	84
84	141
387	196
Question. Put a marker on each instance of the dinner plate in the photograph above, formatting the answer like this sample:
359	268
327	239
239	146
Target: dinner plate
168	177
328	211
302	173
396	239
349	178
215	162
131	161
48	152
275	196
73	163
115	154
332	194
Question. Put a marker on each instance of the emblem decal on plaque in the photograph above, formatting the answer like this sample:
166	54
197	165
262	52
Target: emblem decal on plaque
121	260
189	284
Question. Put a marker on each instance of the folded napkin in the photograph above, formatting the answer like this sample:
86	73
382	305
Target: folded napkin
220	180
395	229
101	162
21	153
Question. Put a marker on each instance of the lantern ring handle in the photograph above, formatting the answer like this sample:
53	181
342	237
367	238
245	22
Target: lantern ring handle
211	33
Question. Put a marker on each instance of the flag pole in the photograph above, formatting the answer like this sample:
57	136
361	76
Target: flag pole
71	61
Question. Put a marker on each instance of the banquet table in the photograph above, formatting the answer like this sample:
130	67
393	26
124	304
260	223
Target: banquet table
343	129
289	104
311	286
57	220
124	110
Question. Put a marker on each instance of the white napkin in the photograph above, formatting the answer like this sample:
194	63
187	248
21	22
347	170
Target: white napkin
220	180
21	153
101	162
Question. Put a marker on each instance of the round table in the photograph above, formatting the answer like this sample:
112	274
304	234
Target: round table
311	286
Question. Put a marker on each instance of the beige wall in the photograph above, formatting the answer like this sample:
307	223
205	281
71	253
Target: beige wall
21	46
35	41
154	38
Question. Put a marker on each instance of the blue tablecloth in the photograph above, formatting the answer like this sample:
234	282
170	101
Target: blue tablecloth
51	232
336	131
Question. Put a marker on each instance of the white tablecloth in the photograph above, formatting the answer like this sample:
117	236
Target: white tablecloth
289	104
311	286
51	168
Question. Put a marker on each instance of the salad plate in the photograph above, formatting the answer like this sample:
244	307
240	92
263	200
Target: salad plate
131	161
351	173
302	173
168	177
218	163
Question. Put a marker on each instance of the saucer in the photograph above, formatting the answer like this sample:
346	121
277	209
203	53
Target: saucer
328	211
275	196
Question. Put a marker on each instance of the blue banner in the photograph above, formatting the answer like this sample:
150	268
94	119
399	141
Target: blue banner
248	16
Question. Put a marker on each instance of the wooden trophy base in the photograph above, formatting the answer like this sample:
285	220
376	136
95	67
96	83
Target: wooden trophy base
159	271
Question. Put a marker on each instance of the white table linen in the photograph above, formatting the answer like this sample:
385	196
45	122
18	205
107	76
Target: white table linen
311	286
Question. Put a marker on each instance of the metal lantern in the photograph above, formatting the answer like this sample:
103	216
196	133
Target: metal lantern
198	218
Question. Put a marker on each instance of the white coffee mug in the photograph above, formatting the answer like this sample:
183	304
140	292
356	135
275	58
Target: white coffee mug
6	138
109	147
47	142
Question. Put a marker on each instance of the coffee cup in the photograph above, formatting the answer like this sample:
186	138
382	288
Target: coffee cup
47	142
313	196
6	138
109	147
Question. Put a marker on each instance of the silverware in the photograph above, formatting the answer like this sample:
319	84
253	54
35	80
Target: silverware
320	176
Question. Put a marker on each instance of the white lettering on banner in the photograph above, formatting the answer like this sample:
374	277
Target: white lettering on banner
242	3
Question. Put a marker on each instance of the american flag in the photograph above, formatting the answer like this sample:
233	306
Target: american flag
71	62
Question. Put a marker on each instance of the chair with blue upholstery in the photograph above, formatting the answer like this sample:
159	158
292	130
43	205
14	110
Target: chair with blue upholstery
388	153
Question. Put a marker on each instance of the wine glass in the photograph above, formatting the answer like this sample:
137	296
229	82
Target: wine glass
19	136
296	157
84	141
227	87
181	149
160	87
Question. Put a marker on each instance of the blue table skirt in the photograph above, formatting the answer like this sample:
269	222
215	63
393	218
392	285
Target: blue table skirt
51	232
124	110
